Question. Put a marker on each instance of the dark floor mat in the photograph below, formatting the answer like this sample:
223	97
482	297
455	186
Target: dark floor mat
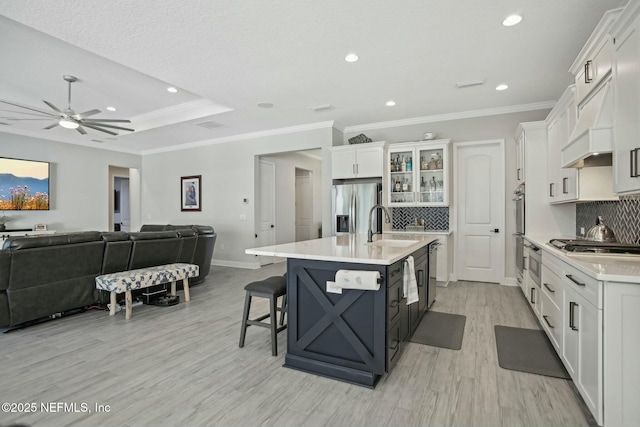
440	330
528	350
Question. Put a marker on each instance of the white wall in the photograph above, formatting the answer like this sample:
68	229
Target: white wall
285	165
474	129
79	182
227	177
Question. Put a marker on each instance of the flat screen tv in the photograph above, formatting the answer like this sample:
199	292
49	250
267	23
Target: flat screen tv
24	184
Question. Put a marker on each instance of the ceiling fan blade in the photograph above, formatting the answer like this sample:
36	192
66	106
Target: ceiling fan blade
106	126
29	108
53	107
82	131
89	113
51	126
13	118
97	128
28	114
109	120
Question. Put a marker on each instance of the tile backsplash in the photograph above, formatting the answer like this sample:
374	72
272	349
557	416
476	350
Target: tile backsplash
622	216
436	219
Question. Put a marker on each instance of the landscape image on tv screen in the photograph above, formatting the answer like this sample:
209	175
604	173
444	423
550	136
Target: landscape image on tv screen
24	185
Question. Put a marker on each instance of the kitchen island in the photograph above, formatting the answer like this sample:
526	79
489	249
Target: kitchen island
357	335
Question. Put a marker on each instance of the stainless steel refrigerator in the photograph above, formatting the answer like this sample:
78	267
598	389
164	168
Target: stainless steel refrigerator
351	203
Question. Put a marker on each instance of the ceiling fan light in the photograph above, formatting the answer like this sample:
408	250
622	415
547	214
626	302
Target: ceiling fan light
68	124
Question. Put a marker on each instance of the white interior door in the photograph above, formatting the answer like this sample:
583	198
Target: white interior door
479	198
267	208
304	204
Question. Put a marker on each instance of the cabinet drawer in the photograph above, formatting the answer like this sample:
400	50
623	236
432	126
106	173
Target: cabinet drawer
394	303
572	278
395	272
552	286
551	320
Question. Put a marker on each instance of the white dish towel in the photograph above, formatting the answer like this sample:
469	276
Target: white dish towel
358	279
409	283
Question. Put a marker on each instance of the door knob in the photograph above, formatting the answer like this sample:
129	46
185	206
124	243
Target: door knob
272	226
495	230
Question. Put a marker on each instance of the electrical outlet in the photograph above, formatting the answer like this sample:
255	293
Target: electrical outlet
582	231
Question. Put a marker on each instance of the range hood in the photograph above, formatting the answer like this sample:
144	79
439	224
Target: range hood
591	141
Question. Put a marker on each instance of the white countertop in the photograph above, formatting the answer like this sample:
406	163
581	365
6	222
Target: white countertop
350	248
428	233
611	268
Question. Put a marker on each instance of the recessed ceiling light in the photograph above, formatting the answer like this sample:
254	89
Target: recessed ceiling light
172	89
352	57
502	87
391	103
265	105
111	108
512	20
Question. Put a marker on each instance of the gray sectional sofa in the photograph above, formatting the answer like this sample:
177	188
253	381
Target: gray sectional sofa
41	276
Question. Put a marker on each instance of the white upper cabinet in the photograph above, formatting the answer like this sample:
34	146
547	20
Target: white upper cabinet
357	160
593	63
626	81
419	173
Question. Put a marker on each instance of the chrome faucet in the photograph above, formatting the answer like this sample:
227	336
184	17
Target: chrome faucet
387	220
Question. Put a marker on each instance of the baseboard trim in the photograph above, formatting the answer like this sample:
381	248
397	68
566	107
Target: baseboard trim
510	281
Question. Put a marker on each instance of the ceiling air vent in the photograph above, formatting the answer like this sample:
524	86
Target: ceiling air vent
211	125
470	83
321	107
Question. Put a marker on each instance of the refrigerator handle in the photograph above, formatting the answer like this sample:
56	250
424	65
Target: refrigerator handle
355	211
352	211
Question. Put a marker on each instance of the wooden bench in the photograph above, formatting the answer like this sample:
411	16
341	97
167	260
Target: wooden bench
126	281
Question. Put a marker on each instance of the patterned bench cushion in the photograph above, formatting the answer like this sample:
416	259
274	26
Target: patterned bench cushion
145	277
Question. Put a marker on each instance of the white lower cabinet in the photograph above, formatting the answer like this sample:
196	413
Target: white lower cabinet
442	272
572	317
582	348
621	354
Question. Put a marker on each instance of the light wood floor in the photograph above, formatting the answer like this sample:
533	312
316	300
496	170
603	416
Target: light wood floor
181	366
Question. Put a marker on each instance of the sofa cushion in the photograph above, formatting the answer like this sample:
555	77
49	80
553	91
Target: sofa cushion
37	241
117	251
154	248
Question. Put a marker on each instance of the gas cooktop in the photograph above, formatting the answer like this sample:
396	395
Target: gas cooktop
575	245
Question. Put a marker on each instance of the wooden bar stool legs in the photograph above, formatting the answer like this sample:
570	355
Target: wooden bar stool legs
272	288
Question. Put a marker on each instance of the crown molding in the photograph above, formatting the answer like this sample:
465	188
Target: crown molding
453	116
241	137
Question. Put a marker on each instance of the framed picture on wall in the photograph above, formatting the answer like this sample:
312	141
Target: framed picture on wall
191	193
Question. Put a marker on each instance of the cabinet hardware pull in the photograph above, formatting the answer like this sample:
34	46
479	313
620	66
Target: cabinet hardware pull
572	306
551	186
570	277
633	163
518	279
396	271
531	299
396	346
565	185
394	303
518	175
544	316
587	77
420	278
548	288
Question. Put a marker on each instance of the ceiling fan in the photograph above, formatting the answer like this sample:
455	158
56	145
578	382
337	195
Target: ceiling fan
68	118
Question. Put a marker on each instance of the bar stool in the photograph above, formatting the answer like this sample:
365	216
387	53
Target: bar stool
272	288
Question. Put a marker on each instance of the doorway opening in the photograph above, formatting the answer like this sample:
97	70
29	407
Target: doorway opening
124	201
289	209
